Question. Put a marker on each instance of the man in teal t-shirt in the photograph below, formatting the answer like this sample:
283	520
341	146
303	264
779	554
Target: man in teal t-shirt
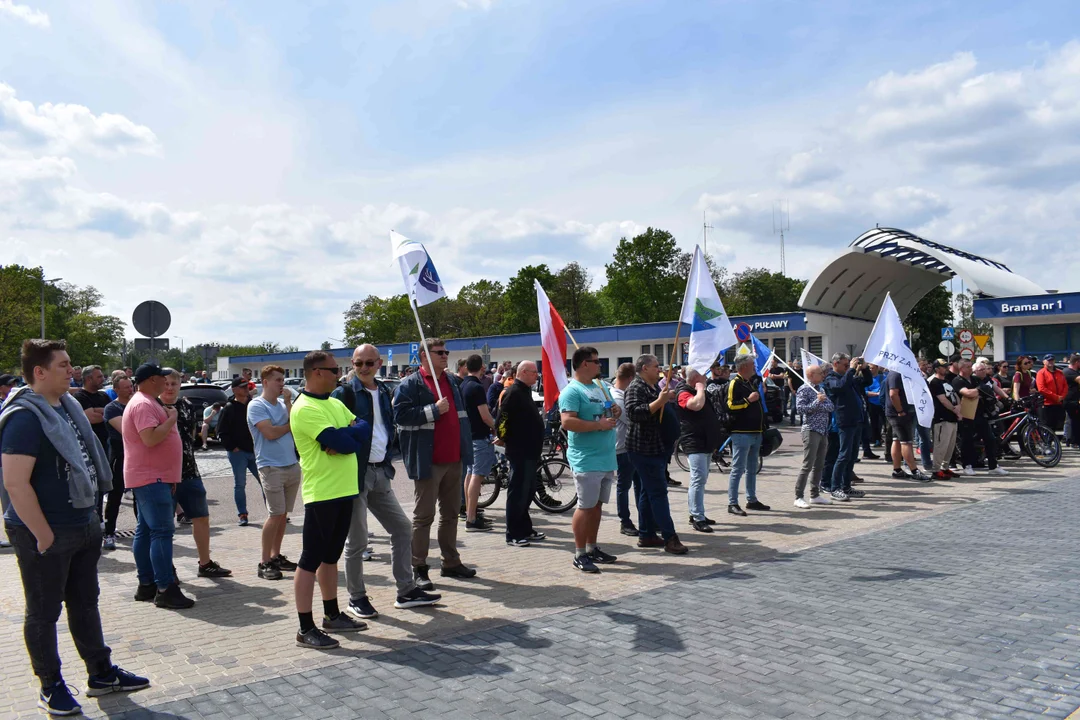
588	416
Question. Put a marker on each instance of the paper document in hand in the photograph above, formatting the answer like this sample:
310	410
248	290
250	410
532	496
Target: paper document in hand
422	282
710	328
888	348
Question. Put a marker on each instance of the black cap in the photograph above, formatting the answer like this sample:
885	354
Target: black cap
237	382
939	363
955	358
146	371
1048	356
7	379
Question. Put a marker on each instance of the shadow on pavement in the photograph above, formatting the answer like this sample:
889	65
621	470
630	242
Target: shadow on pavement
899	574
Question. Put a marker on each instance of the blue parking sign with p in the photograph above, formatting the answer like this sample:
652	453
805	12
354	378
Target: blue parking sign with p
948	333
414	353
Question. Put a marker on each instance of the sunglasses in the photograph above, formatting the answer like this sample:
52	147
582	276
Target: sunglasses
333	370
443	353
365	363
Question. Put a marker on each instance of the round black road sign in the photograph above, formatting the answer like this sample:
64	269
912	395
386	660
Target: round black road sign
151	319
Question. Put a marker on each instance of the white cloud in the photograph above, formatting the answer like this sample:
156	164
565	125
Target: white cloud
63	128
477	4
30	16
808	167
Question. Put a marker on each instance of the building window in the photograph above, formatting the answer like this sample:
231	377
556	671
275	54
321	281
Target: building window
815	345
1014	341
1040	339
646	350
658	351
605	367
780	347
623	360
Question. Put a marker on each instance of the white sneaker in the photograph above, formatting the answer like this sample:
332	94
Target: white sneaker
969	471
367	554
802	504
998	471
820	500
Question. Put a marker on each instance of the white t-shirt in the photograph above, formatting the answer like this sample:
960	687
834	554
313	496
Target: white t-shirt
379	436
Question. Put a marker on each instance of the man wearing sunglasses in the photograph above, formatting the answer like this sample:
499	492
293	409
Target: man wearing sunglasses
370	401
328	437
436	441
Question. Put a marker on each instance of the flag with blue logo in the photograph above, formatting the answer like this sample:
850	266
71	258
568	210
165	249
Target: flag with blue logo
762	355
710	328
422	282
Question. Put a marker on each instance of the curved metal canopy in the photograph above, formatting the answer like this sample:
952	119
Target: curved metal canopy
888	260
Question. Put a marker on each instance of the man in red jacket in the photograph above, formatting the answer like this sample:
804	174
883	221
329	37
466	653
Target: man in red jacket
1051	383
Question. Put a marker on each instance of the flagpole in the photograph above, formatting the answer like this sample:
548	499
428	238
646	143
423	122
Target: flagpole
671	366
423	345
801	377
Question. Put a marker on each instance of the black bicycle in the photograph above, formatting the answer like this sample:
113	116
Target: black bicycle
1021	422
721	457
554	492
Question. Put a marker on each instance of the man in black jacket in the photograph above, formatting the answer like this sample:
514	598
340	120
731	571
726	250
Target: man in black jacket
236	438
700	437
843	385
521	428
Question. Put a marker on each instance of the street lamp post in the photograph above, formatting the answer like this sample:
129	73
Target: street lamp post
43	281
182	369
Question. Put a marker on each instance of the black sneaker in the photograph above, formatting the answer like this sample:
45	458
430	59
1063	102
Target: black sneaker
672	482
599	556
146	593
362	608
213	570
736	510
416	598
855	480
478	526
629	530
458	571
709	522
317	639
116	680
701	526
420	576
342	623
853	493
58	700
172	599
523	542
462	515
283	563
269	571
759	506
901	474
870	456
584	563
536	536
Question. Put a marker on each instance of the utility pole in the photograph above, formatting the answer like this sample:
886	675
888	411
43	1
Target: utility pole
781	224
705	228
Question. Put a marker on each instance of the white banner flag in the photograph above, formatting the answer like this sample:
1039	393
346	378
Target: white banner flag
710	328
422	282
809	358
887	347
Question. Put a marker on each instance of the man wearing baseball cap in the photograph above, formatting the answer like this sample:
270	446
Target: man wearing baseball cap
1051	383
6	383
235	435
153	457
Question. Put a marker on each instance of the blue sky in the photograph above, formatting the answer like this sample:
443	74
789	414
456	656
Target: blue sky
244	161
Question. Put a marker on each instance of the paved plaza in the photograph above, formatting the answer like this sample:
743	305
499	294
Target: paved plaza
955	599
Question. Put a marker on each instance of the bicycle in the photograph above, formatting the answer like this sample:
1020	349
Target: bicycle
554	491
1040	442
721	457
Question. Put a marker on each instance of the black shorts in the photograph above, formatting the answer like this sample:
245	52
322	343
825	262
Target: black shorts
903	428
326	527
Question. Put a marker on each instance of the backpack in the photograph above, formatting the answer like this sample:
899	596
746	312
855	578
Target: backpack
718	396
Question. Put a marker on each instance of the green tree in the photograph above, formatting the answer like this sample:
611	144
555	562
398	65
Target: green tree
379	320
923	324
482	304
20	306
519	314
756	290
643	283
965	314
573	297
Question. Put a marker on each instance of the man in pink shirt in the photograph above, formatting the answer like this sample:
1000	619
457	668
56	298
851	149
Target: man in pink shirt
153	455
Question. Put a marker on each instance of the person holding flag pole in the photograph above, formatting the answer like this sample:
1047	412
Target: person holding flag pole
435	435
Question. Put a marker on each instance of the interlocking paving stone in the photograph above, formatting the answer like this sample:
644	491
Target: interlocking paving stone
971	613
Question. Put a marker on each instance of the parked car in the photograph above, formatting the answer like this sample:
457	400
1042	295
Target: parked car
294	392
774	401
295	383
201	396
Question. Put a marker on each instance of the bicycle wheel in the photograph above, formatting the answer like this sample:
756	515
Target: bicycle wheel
489	490
1042	444
681	459
555	492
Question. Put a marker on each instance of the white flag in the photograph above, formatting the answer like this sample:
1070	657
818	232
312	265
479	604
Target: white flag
887	347
710	328
422	282
809	358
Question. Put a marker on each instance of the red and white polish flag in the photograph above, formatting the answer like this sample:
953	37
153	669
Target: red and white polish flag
553	348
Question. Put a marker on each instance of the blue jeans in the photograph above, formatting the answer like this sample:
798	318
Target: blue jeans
830	462
845	460
699	473
654	513
745	449
241	462
627	477
153	543
926	446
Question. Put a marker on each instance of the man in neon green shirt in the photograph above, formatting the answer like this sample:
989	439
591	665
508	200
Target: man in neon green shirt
327	436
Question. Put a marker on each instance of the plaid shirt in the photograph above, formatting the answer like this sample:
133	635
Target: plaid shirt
643	435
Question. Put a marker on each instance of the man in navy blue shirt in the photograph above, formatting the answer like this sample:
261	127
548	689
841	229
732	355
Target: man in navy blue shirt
53	469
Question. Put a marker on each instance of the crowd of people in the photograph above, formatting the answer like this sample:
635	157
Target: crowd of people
70	451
